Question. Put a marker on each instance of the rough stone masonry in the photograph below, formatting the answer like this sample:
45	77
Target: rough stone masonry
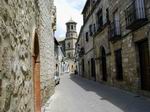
20	20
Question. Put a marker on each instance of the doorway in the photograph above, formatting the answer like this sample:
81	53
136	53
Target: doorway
83	67
144	65
93	72
104	65
36	75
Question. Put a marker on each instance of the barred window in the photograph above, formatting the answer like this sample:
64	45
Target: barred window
100	18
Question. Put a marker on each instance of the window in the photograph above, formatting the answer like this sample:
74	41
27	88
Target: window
135	14
119	68
107	15
68	27
94	1
56	66
116	20
87	36
69	55
100	18
69	45
72	27
94	28
91	30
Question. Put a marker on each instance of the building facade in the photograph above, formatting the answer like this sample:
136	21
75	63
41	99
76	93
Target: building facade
101	41
129	36
26	54
120	40
70	41
79	55
85	42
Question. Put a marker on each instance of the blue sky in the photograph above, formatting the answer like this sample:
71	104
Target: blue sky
67	9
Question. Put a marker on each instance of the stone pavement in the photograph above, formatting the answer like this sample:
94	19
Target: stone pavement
75	94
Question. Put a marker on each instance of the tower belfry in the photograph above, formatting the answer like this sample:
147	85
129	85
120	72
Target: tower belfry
71	26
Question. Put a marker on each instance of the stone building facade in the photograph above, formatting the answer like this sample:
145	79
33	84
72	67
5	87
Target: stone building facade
101	41
121	43
85	42
26	54
129	35
79	54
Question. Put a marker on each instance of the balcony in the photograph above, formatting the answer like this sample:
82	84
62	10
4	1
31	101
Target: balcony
114	31
135	15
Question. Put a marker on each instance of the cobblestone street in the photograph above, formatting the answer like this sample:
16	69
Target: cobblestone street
75	94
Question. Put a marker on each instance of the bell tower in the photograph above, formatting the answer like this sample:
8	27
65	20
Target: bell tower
70	42
71	39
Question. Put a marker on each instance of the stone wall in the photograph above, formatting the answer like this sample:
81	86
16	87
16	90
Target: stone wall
46	41
17	21
95	40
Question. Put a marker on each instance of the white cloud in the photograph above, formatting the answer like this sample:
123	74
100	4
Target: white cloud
67	9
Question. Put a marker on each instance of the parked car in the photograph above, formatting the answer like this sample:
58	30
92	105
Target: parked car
56	78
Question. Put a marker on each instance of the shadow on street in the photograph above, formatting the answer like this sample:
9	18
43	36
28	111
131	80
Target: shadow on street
126	101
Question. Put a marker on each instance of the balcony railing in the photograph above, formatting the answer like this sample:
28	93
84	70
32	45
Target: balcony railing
135	14
114	32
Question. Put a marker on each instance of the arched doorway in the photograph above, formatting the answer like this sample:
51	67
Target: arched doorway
36	74
104	65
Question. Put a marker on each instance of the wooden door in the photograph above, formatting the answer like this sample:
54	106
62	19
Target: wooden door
119	67
93	72
37	89
104	65
36	75
145	65
83	67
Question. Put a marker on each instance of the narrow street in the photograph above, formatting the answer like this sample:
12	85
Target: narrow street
76	94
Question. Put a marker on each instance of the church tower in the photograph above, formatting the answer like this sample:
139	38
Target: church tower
71	39
70	42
